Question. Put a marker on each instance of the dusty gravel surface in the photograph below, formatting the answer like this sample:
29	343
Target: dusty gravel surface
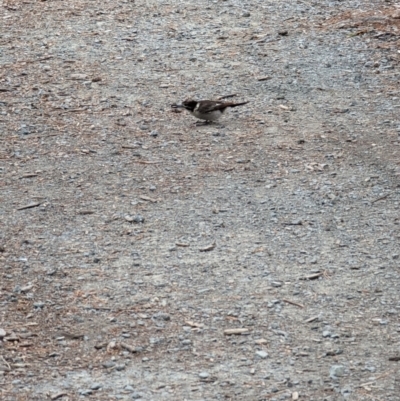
143	257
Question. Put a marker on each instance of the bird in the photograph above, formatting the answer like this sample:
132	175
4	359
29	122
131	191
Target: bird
208	110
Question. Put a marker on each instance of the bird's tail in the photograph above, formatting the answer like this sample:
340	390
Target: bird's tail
237	104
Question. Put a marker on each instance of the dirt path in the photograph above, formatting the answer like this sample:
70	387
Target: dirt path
132	242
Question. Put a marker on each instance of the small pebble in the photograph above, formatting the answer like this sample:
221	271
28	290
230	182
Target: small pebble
78	77
134	219
161	316
96	386
85	392
336	371
138	219
108	364
24	131
262	354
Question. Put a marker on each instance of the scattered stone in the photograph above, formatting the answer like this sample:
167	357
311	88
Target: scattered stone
24	130
138	219
58	395
131	348
96	386
11	337
262	354
156	340
229	332
336	371
78	77
162	316
134	219
84	392
108	364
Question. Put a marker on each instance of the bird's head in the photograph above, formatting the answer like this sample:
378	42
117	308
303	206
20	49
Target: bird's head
189	104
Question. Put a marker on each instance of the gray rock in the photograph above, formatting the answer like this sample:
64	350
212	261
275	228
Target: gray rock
85	392
336	371
17	289
262	354
24	130
138	219
134	219
108	364
156	340
162	316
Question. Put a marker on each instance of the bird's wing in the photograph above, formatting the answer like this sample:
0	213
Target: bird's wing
208	106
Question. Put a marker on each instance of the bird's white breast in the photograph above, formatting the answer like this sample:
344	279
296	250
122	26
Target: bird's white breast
212	116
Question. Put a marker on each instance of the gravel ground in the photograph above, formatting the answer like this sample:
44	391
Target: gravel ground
144	257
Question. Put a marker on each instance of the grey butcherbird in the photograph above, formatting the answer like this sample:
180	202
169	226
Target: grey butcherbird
209	110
